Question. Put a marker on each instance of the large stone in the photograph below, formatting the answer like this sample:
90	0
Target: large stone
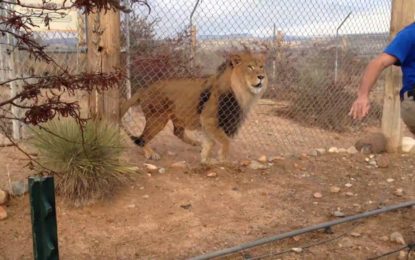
317	195
374	143
397	238
179	165
3	213
263	159
212	174
19	188
408	145
4	196
383	161
352	150
334	189
151	167
333	150
255	165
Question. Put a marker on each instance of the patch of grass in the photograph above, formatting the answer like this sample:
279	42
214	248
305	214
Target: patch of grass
86	162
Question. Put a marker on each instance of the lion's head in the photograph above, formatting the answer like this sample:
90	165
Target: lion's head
249	70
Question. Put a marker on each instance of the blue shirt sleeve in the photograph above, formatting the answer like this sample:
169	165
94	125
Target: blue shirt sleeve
401	45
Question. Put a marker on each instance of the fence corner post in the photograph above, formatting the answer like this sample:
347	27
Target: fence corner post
403	12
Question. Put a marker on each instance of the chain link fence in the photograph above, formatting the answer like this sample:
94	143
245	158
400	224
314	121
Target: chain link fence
316	52
315	55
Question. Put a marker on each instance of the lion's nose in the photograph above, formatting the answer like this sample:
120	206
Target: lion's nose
261	77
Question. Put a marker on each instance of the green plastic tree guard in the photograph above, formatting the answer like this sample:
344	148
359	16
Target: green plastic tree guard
44	227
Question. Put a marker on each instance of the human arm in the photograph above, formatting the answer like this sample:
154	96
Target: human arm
361	105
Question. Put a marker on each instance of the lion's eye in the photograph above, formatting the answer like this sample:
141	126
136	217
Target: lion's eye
251	67
261	67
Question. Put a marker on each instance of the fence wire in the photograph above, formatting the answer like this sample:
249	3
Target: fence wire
316	52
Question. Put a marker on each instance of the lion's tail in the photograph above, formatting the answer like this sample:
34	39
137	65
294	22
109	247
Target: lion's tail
133	101
137	140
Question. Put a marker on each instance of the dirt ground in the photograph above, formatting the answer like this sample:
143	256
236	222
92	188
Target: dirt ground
184	212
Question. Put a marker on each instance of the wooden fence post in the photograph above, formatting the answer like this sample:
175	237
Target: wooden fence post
277	44
104	55
403	12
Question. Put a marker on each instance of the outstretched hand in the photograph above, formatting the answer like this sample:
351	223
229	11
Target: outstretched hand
360	108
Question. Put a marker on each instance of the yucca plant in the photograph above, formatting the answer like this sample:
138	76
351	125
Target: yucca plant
86	162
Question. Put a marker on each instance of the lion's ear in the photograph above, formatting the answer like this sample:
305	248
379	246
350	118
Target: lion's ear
235	59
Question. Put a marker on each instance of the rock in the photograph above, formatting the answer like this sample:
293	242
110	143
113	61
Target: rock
3	213
4	141
408	144
383	161
397	238
355	234
334	189
352	150
255	165
350	194
276	158
263	159
348	185
403	255
131	206
146	196
342	150
162	170
390	180
317	195
333	150
151	167
372	143
398	192
338	214
19	188
179	165
212	174
373	163
171	153
4	197
321	151
384	238
186	206
346	242
297	249
314	153
245	163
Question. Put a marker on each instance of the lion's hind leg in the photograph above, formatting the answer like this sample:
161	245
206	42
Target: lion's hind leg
153	126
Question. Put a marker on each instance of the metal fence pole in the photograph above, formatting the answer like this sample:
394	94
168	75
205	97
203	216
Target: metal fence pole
193	35
43	212
337	46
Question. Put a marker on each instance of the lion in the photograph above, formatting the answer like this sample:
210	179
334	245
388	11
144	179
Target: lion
217	105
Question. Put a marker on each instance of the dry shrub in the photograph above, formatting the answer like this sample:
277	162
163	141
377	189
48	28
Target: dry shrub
318	101
155	59
86	162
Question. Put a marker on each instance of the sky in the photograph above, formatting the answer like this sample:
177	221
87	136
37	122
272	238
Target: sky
257	17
